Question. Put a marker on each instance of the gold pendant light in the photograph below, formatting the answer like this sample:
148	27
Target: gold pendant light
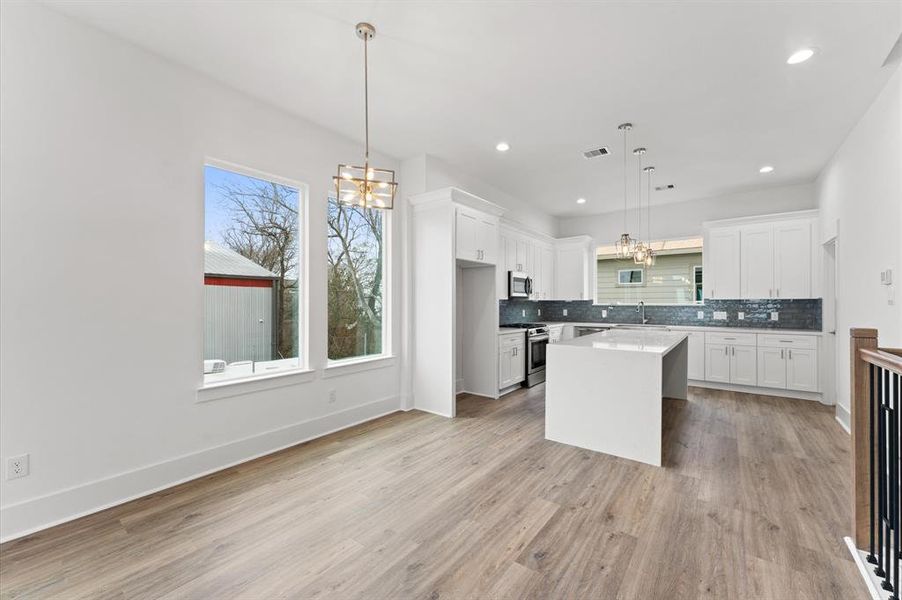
366	186
626	245
641	250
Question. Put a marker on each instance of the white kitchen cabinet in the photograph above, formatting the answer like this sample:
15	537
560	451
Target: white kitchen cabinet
761	257
721	257
801	369
792	259
717	363
546	263
696	355
772	368
743	365
511	359
574	268
477	237
756	263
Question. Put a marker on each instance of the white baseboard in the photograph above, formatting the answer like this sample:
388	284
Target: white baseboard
844	418
867	573
24	518
761	391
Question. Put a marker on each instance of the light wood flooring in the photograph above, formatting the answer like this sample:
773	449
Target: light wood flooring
753	503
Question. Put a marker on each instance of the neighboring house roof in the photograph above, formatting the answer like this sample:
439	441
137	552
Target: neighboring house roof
219	260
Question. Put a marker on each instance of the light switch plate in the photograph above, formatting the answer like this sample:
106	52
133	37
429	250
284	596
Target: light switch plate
720	315
774	316
741	316
540	312
701	314
604	313
565	312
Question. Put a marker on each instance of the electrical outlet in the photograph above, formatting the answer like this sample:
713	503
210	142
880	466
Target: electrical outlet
523	312
700	314
540	312
604	313
774	316
565	312
741	316
17	466
720	315
332	396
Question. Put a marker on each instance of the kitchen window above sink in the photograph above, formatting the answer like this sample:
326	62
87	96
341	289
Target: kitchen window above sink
675	278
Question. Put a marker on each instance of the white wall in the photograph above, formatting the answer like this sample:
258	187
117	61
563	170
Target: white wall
684	219
859	194
427	173
101	260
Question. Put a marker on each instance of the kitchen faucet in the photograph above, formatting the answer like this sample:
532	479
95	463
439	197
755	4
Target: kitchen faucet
640	308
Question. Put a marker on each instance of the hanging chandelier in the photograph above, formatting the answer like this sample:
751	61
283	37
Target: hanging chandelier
641	250
650	254
625	246
366	186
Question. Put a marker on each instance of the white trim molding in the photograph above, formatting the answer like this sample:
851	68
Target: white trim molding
30	516
844	418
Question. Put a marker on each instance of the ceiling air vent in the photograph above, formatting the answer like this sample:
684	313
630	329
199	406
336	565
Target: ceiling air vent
663	188
593	152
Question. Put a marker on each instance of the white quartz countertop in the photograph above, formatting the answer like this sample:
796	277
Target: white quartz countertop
652	341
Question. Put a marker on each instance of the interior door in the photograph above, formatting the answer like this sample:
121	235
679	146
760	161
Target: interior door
772	367
757	260
792	259
717	363
743	365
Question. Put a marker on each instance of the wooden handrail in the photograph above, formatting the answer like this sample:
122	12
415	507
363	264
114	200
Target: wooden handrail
882	358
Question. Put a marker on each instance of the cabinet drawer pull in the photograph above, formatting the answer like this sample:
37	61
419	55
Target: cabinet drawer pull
781	352
790	355
786	341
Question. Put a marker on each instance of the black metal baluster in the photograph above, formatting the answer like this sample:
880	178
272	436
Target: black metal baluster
871	558
894	549
880	570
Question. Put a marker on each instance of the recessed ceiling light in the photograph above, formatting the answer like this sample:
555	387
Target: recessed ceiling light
580	200
502	147
800	56
766	169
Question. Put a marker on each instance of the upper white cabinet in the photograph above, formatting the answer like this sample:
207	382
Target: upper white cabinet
526	253
756	269
574	268
765	257
792	260
477	236
720	256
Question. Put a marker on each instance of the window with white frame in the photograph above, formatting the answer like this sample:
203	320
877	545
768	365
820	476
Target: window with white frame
356	285
253	274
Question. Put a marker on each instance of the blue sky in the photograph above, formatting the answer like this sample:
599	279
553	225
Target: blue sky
217	217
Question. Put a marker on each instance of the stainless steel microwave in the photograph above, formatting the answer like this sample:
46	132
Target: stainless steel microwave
519	285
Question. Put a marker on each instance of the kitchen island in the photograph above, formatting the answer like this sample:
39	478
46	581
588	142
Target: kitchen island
605	391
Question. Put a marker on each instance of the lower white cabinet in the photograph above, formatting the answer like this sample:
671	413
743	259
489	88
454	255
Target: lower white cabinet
743	365
788	362
801	370
511	359
772	367
731	359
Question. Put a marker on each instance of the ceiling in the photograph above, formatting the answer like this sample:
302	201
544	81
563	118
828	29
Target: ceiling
705	84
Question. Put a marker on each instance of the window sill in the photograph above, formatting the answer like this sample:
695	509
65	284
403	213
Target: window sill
335	368
251	385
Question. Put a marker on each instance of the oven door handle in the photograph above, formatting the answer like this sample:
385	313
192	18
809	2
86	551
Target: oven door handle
538	338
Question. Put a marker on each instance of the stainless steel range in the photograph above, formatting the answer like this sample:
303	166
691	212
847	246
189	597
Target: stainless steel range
536	344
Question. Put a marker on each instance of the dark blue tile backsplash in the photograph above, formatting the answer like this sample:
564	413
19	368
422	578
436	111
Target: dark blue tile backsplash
793	314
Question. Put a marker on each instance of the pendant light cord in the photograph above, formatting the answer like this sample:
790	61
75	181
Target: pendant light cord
648	204
624	180
366	99
639	196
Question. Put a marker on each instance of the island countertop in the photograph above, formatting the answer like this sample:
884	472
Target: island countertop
629	340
